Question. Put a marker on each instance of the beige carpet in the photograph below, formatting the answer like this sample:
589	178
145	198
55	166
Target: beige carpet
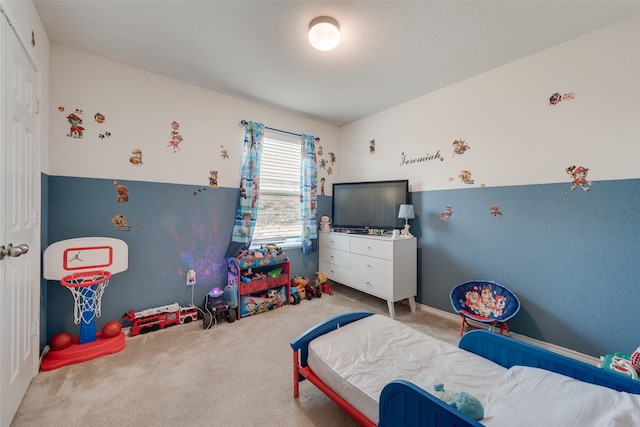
236	374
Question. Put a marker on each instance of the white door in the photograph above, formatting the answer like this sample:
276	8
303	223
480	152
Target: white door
19	212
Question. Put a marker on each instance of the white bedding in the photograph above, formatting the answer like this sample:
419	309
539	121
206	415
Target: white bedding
533	397
359	359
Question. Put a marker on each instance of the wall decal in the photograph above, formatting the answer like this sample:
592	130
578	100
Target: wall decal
33	39
372	146
122	193
104	135
223	152
121	223
176	138
320	150
465	176
556	97
332	158
405	160
136	157
213	179
329	170
75	130
460	147
322	182
448	213
323	164
99	118
579	175
61	109
495	210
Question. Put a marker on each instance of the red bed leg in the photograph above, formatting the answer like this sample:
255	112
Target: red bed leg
296	382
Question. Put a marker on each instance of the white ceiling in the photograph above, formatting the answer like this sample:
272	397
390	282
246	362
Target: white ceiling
391	51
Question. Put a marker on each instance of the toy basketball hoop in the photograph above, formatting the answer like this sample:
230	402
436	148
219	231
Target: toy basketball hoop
87	289
84	266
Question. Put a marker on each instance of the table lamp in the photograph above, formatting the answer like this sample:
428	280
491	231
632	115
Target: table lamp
406	212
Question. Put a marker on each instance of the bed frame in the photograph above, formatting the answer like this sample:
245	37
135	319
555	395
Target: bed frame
405	404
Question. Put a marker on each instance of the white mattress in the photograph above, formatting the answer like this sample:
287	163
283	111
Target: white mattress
359	359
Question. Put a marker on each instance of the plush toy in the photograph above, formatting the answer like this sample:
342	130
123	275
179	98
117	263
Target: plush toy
322	283
462	401
622	363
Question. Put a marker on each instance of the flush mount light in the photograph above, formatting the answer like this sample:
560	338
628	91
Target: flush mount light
324	33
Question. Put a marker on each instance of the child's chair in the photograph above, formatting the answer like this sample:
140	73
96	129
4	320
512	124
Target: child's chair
484	302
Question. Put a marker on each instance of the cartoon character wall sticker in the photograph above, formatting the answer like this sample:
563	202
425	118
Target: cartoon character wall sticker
176	138
136	157
447	214
122	193
460	147
465	176
223	152
556	97
579	177
213	179
322	182
75	125
372	146
495	210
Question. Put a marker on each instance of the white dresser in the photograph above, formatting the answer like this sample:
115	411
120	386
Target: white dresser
378	265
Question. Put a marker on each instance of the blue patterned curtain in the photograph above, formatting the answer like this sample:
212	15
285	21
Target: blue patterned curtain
247	210
308	194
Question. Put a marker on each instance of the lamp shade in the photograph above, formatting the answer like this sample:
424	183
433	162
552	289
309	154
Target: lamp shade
324	33
406	212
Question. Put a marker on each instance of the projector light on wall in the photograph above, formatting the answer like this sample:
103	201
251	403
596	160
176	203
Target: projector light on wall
324	33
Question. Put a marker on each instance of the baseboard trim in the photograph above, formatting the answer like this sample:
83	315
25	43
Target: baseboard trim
590	360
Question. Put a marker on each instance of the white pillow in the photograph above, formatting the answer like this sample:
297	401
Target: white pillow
527	396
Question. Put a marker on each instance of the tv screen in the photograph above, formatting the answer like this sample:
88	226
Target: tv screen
369	204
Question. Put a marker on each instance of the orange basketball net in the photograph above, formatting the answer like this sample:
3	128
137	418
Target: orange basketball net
87	289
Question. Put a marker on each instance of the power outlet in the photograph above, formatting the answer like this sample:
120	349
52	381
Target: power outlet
191	277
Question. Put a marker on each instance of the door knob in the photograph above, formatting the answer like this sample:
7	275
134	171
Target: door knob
13	251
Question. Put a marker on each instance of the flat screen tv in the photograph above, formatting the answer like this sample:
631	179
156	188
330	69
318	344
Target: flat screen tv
361	205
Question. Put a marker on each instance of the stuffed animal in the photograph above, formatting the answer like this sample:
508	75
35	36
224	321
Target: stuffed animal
462	401
622	363
322	283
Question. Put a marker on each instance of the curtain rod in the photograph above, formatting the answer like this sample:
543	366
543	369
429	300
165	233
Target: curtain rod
244	123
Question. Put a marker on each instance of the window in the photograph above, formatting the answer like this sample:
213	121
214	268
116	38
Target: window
279	198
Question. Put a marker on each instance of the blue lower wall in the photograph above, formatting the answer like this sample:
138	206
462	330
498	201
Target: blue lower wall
571	257
171	230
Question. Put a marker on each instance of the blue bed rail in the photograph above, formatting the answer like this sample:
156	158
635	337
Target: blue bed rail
302	342
509	352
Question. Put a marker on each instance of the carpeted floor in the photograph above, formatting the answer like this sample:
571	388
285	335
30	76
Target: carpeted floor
236	374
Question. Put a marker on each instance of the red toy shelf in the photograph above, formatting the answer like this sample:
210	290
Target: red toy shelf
247	290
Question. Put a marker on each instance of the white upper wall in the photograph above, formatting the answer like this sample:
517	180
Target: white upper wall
514	134
139	108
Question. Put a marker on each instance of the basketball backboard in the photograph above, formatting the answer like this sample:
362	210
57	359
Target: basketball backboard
84	254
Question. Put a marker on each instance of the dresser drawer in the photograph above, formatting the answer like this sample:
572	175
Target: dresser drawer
334	241
372	247
373	285
334	272
371	265
334	256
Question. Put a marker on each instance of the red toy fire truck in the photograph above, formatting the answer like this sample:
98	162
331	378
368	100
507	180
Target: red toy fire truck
153	319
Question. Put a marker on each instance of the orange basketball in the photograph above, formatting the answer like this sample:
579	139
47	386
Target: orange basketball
60	341
111	329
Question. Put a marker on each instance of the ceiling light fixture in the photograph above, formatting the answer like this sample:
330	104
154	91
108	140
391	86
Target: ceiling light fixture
324	33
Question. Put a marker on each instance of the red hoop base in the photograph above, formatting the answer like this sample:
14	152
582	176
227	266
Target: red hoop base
77	353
